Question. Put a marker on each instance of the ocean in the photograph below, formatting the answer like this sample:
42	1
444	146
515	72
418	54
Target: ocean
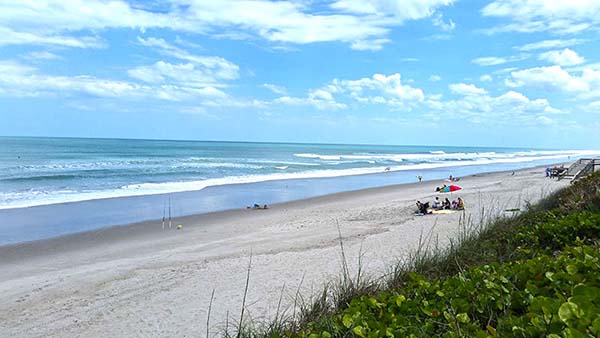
37	172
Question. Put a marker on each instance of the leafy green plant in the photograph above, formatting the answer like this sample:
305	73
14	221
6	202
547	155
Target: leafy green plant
535	297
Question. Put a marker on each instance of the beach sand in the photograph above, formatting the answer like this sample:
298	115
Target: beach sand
144	281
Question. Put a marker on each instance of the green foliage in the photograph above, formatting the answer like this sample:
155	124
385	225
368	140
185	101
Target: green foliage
532	275
529	298
554	233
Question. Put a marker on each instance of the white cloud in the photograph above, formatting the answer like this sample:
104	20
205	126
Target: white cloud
11	37
438	21
186	74
495	60
474	105
399	10
19	80
485	78
565	57
477	106
561	17
374	45
278	21
435	78
594	107
275	88
218	67
318	100
553	77
379	89
583	84
466	89
549	44
41	55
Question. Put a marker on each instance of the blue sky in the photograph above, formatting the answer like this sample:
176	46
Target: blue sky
432	72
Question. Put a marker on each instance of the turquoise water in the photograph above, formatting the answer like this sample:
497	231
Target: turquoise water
42	171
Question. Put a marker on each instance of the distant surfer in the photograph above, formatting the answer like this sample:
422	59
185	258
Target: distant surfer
386	169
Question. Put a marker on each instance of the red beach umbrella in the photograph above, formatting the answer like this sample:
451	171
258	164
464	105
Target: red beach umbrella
450	188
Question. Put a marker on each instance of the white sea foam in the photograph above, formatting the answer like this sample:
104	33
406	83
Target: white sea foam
35	198
442	156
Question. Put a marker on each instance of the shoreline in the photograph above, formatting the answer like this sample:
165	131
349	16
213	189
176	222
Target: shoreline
149	226
48	222
126	280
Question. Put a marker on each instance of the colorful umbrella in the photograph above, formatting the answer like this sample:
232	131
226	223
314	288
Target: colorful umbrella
450	188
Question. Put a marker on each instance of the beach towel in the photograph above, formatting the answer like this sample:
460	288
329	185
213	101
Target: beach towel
444	211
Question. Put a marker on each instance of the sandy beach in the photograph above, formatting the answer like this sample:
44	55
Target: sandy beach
144	281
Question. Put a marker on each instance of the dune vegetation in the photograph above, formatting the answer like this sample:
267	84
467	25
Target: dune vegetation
529	275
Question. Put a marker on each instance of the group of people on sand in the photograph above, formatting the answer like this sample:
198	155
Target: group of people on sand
458	204
555	171
437	204
257	206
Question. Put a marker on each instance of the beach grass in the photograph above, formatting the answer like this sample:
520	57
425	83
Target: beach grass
562	227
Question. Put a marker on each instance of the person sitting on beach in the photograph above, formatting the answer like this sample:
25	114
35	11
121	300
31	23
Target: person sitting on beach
425	208
422	207
436	203
438	189
419	206
460	204
453	205
446	204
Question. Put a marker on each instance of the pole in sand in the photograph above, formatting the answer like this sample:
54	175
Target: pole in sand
164	214
170	212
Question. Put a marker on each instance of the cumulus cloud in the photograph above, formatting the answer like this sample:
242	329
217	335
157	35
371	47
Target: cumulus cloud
477	106
379	89
320	99
435	78
466	89
549	77
565	57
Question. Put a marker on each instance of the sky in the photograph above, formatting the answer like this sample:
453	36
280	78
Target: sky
523	73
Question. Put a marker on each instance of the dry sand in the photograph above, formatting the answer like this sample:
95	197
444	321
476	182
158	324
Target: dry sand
142	281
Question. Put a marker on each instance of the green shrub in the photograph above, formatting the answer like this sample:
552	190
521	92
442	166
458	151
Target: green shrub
554	233
536	297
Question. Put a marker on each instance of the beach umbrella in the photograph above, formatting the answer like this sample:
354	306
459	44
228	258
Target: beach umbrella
450	188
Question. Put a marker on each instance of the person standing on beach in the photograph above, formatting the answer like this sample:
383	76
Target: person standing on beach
420	178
